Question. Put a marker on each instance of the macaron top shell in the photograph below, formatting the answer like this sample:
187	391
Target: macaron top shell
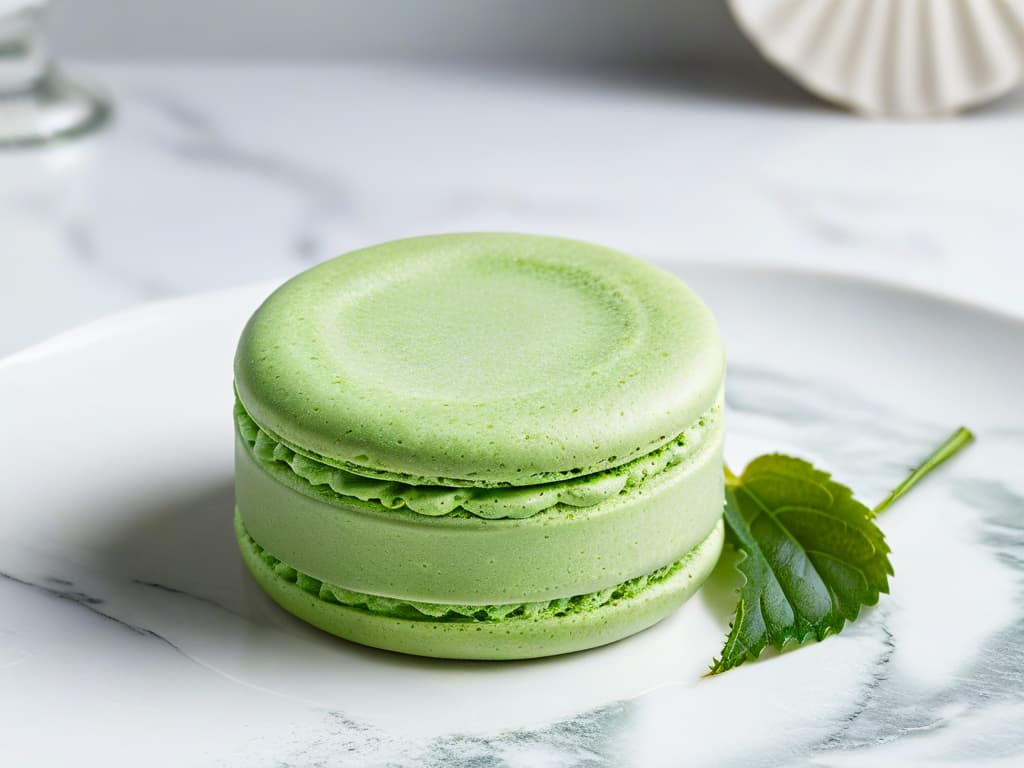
479	359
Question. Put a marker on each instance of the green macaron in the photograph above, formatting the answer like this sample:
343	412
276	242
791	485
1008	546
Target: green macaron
486	446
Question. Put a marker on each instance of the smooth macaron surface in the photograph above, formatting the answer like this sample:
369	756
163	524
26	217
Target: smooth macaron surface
479	359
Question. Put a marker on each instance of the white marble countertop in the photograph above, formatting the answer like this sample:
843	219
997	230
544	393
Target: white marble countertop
216	175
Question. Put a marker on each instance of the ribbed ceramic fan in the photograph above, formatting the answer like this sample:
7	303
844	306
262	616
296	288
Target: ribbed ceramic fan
899	58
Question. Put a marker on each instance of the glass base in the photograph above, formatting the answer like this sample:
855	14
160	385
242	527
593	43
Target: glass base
53	109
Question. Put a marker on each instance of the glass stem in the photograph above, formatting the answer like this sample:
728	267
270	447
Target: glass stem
24	58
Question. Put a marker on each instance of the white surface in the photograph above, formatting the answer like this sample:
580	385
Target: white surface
128	619
213	176
899	58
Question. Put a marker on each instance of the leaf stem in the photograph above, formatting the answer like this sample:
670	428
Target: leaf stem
947	450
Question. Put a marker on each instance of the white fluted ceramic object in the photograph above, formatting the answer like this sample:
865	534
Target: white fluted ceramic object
892	58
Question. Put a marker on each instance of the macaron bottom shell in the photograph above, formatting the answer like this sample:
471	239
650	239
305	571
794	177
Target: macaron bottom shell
504	639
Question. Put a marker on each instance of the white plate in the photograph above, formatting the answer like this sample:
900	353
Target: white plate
131	634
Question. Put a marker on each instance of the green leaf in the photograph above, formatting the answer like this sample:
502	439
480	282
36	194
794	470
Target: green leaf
812	555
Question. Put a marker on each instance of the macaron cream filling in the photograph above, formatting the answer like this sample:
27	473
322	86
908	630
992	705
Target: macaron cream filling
515	502
464	559
415	610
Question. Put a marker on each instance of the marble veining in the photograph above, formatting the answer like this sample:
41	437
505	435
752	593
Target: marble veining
874	229
884	708
887	707
842	737
183	593
198	139
216	175
63	589
588	740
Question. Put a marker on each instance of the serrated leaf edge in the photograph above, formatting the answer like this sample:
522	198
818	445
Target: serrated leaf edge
788	639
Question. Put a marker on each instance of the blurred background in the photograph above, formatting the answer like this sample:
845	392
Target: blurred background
580	32
233	142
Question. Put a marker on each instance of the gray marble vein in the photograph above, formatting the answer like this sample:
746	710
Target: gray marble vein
995	676
885	442
198	139
868	697
589	740
868	445
63	589
886	708
183	593
824	215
